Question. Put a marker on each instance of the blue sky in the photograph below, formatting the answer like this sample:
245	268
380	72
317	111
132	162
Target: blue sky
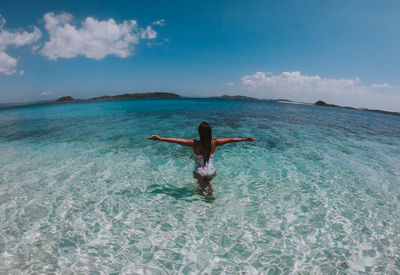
344	52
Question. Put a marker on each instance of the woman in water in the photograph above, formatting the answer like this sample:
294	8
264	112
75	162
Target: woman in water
203	150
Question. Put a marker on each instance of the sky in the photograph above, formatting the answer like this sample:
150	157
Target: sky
344	52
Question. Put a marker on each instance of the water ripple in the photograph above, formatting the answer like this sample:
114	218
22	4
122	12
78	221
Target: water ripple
83	191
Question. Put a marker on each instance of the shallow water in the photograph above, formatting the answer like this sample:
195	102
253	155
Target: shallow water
82	190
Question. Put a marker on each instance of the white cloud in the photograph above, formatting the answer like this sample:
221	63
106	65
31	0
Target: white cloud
94	39
384	85
148	33
310	88
8	64
35	48
160	22
46	93
230	84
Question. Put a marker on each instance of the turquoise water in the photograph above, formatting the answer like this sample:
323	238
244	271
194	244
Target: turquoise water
82	190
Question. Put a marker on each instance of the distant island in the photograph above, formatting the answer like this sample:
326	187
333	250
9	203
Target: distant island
138	95
323	103
123	96
242	97
65	99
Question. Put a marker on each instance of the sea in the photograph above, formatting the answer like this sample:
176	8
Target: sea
82	191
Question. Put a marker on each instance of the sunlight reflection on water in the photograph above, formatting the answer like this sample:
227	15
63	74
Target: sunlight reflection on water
81	189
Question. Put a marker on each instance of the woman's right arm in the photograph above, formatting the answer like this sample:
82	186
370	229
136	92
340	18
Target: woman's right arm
180	141
222	141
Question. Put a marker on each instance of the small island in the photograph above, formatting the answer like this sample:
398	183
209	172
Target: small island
322	103
65	99
138	95
241	97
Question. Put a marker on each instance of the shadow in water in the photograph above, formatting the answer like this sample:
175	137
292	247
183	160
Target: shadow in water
180	193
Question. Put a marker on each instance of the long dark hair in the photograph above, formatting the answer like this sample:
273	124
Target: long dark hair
205	140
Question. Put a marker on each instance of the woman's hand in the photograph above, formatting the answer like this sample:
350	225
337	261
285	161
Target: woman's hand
154	137
249	139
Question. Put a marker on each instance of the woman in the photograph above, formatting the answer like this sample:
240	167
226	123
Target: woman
204	150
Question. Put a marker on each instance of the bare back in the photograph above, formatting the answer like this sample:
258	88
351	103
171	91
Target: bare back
197	147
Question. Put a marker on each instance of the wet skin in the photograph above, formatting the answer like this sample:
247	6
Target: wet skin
205	185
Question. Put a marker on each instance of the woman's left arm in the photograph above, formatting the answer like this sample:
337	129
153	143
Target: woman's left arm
180	141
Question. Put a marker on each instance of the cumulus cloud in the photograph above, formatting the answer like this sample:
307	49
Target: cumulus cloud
295	86
230	84
7	64
93	39
148	33
19	38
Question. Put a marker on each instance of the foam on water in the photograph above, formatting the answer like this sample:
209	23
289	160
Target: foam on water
82	190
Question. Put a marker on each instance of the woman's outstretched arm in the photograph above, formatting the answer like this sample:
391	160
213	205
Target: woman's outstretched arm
222	141
184	142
